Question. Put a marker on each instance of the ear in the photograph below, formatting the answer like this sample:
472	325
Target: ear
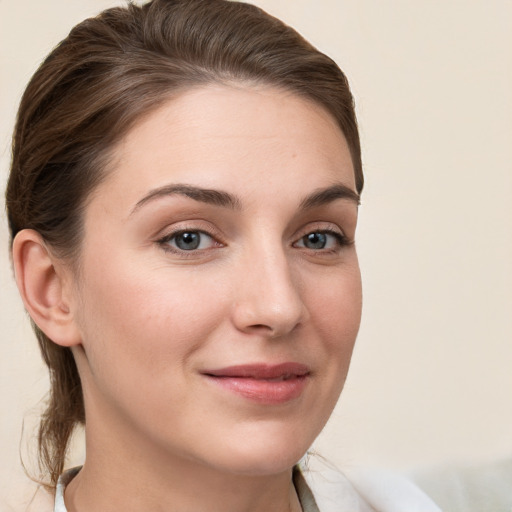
44	285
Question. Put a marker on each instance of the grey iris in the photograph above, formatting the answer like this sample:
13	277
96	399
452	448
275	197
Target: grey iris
188	241
315	240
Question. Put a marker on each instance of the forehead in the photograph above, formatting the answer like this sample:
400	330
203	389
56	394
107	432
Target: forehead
235	136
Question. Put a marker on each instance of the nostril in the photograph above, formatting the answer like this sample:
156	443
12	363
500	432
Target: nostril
269	331
261	327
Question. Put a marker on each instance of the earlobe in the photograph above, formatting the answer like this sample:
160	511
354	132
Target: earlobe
40	281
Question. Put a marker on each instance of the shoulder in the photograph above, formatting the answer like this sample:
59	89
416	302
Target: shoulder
366	491
469	487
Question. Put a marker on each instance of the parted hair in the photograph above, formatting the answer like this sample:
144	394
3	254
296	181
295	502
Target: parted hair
110	71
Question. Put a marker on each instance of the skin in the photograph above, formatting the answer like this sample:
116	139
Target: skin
145	319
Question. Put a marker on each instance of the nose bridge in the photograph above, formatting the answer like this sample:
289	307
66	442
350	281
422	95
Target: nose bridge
269	297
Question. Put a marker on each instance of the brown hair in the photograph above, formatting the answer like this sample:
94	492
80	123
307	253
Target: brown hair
95	84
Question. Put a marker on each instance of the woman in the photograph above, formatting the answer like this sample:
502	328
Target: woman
182	203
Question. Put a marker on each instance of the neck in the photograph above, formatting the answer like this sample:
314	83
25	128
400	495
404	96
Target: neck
120	474
111	493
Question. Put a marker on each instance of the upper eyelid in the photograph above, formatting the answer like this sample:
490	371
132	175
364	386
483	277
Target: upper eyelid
320	226
180	230
184	226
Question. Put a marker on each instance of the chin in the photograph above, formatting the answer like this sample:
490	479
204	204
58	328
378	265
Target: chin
275	463
264	454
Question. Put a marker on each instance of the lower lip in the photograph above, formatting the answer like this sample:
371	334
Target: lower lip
261	390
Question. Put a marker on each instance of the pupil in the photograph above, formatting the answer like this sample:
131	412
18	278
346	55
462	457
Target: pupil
188	241
316	240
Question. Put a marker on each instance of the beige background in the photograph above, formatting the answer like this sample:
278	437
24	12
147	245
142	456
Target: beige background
431	379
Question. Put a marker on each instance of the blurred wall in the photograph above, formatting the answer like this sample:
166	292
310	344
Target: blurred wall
431	378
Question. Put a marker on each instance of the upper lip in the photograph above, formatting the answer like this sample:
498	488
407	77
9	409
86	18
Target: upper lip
261	371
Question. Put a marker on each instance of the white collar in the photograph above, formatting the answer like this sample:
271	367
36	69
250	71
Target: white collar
64	480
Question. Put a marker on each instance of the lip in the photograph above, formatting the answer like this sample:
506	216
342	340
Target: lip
262	383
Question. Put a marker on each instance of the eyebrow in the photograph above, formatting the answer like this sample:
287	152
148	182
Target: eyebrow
203	195
328	195
226	200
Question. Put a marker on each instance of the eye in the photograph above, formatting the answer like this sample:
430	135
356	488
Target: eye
321	240
188	240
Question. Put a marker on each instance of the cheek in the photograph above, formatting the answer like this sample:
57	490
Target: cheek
142	334
335	314
335	306
145	320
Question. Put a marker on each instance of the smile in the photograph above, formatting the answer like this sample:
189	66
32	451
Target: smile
261	383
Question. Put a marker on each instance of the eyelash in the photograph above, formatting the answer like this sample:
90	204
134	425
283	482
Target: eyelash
340	238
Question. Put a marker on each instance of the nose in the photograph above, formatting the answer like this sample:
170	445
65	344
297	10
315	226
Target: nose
268	296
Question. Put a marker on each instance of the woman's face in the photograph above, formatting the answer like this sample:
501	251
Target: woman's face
219	295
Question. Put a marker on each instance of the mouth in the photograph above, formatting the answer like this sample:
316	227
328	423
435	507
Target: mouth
262	383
